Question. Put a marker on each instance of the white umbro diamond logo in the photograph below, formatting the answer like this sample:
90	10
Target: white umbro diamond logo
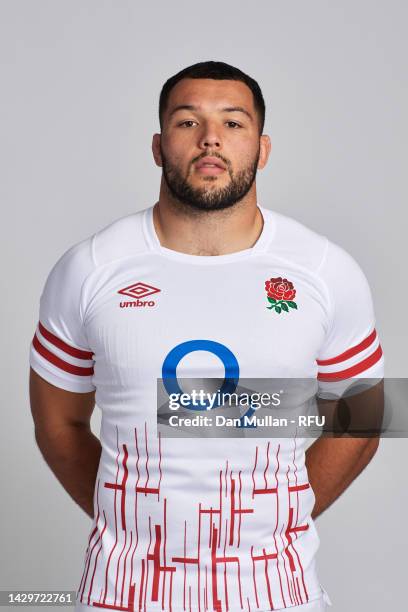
139	290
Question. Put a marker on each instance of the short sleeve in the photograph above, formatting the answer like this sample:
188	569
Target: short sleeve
59	351
351	348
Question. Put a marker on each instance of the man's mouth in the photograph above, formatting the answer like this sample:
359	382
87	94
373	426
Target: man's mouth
210	165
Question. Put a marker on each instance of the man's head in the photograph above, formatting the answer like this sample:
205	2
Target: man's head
212	110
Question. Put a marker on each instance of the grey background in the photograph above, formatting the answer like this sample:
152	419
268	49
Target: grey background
80	84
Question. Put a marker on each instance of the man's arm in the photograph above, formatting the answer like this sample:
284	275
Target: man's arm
64	437
333	463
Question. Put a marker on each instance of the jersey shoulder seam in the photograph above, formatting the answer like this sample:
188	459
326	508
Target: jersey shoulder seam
91	240
330	301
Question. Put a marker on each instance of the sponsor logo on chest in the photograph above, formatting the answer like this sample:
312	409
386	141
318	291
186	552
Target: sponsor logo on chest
138	291
280	295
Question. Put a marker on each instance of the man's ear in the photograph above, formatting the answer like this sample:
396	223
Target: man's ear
265	149
156	150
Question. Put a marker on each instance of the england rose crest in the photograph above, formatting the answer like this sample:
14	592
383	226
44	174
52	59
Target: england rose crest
280	294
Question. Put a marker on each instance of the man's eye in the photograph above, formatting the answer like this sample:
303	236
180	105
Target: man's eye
189	122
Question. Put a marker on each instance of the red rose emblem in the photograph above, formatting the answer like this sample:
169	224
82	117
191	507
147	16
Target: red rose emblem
280	289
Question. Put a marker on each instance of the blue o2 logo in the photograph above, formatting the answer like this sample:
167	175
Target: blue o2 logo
231	366
227	357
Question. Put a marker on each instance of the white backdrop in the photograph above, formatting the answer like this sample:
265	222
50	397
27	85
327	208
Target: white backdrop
80	84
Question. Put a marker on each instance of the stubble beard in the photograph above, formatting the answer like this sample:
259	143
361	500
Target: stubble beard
205	198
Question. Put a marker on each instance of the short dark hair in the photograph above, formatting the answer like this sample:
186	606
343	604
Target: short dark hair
218	71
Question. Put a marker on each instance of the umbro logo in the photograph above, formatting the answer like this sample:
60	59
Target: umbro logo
138	290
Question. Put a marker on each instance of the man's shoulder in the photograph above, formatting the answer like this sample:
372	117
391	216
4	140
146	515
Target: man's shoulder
297	243
303	246
122	237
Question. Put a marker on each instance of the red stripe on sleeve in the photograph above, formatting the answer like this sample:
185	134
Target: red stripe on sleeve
350	352
354	370
71	350
60	363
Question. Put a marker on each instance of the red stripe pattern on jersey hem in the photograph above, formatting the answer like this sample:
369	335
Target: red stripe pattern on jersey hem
57	361
63	346
354	350
354	370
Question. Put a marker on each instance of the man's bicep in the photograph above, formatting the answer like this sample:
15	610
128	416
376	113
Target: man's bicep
358	412
53	407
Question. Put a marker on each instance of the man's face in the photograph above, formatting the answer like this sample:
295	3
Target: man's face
211	126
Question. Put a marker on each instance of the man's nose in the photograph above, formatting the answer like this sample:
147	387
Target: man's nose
210	136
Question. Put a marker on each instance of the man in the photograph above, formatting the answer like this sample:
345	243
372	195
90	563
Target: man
206	283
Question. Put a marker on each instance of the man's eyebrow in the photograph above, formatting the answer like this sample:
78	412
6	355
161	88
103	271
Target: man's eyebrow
238	109
229	109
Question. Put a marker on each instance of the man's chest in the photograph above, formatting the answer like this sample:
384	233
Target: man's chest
269	320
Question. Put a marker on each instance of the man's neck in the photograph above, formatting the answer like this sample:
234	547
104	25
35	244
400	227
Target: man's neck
207	232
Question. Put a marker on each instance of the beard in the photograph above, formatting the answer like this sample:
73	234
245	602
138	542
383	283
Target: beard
206	198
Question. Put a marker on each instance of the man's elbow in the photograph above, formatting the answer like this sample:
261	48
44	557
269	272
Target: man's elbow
370	448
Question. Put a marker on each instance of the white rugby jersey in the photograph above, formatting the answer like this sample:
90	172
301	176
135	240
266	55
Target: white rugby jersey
200	524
